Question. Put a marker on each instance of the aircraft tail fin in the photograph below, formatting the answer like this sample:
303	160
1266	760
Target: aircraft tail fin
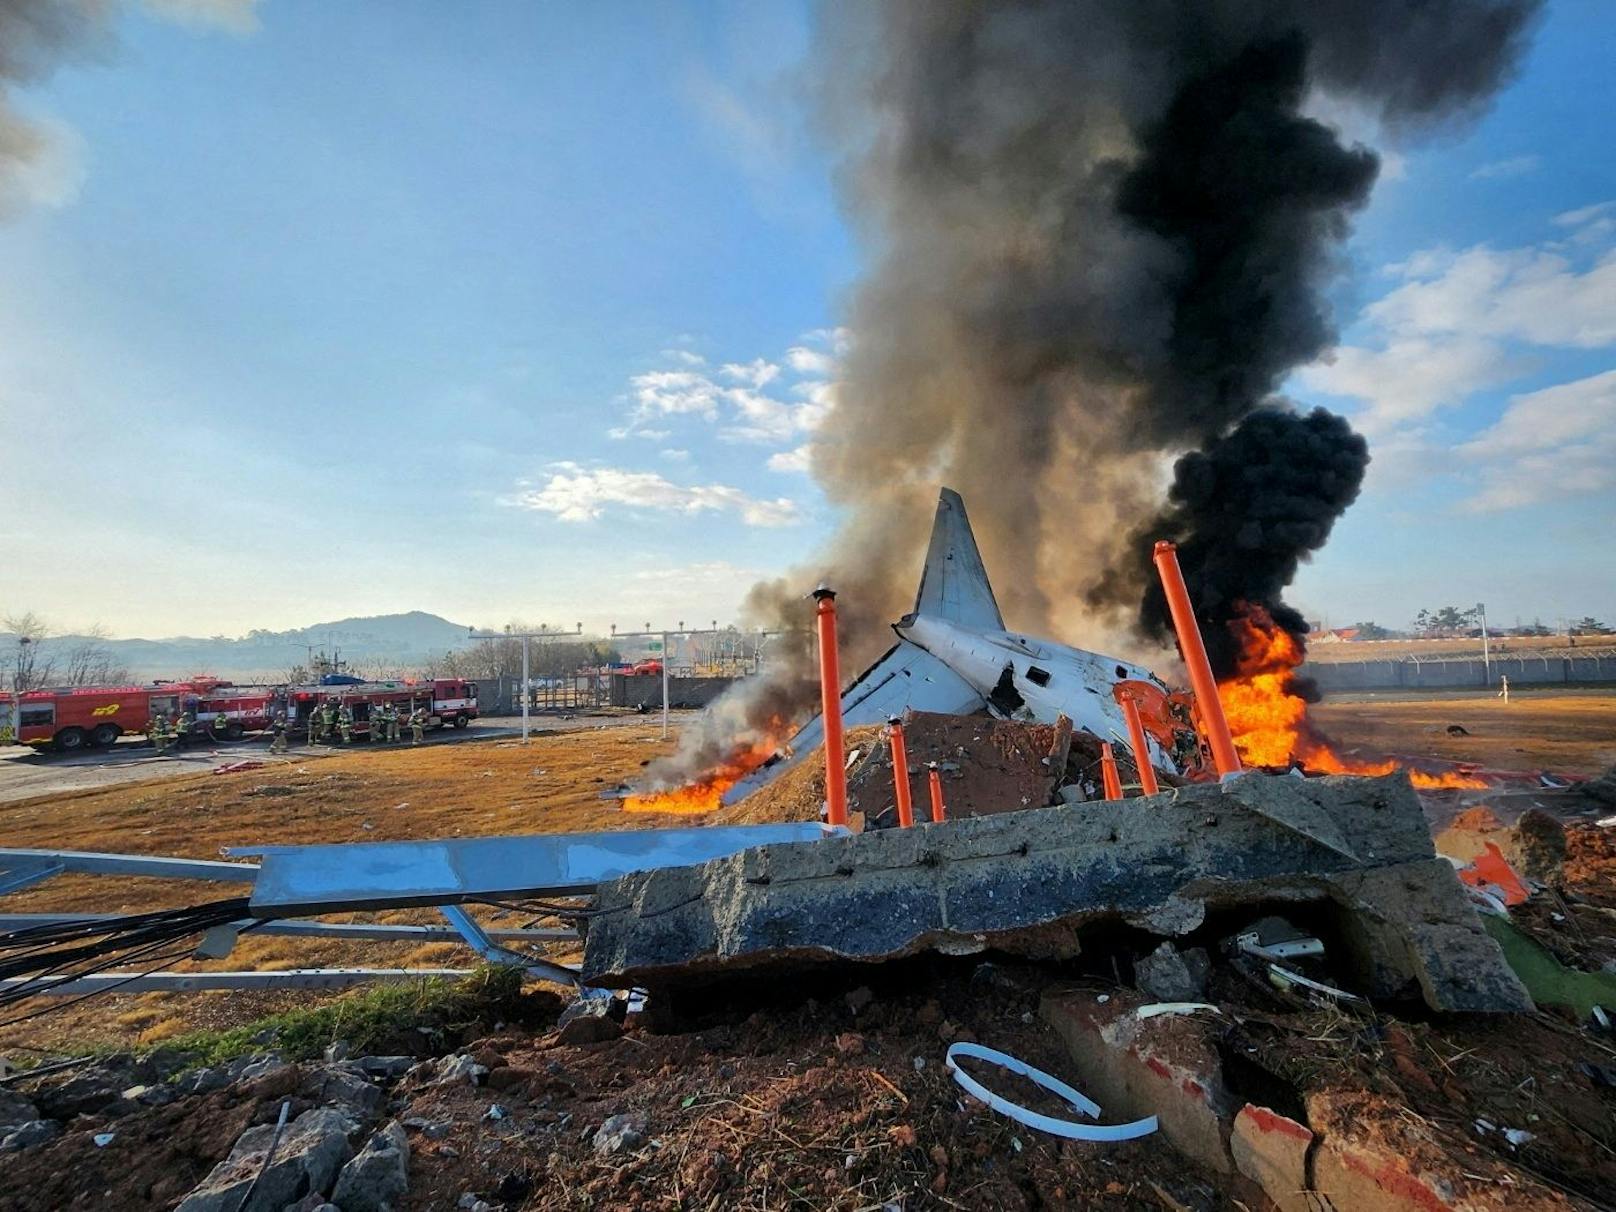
954	585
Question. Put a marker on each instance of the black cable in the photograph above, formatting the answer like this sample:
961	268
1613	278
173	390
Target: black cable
113	952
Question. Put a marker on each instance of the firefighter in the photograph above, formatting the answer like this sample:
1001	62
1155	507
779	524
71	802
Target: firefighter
221	725
387	724
277	729
345	723
183	728
417	725
328	720
161	738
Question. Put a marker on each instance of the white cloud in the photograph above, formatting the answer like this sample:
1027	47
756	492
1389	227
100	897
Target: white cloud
1556	442
1583	215
675	392
578	494
807	361
1535	295
676	456
1498	170
797	460
684	357
757	372
1408	378
839	340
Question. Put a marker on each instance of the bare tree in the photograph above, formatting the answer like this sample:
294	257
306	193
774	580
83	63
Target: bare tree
90	662
29	663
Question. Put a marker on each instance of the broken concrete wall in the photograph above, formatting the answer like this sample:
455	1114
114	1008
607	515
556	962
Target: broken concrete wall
1029	882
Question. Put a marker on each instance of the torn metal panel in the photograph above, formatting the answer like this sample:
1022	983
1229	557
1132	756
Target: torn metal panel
303	880
95	863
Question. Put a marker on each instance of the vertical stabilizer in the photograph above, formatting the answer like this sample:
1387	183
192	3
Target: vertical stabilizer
954	585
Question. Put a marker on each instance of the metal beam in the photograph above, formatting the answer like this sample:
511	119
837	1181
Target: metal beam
472	932
155	866
15	879
298	881
374	931
188	982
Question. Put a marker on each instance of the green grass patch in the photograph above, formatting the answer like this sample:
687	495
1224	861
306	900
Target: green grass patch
368	1019
1548	980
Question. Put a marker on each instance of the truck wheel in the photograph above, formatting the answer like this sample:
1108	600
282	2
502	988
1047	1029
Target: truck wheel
105	734
70	740
233	731
461	721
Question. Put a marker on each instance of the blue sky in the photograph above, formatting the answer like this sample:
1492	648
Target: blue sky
524	311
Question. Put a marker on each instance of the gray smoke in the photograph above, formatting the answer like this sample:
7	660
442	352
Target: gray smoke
38	165
1099	231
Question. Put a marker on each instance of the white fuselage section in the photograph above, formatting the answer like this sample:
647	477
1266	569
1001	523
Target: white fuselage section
1048	679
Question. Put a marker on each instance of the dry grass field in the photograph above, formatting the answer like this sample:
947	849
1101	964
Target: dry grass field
553	784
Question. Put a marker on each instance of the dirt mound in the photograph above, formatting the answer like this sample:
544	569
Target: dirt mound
986	765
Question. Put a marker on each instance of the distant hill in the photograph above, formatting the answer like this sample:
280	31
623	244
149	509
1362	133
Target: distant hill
376	644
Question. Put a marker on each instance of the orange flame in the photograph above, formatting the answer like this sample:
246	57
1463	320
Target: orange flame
1269	719
705	794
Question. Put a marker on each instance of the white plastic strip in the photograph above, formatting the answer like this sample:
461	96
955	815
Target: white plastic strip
1032	1119
1296	978
1155	1008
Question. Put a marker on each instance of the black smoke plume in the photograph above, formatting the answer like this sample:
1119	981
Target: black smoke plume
1098	235
1245	512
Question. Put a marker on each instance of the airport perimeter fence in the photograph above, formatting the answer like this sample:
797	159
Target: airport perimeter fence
1557	668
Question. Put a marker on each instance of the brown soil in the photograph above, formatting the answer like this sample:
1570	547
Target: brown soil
1570	734
800	1103
798	1106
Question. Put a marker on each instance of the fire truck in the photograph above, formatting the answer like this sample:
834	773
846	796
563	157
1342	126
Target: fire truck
70	719
449	702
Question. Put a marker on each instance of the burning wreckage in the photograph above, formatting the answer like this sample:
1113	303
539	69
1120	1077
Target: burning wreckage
1321	892
673	910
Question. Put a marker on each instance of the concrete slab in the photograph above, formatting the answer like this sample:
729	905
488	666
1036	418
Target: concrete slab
1031	883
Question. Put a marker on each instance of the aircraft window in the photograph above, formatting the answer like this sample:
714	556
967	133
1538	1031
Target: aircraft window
1037	676
1122	672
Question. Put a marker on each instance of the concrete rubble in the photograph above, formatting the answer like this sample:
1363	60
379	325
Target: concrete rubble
1352	1151
306	1160
1353	852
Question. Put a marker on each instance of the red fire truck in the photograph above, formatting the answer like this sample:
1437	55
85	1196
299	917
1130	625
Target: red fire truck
73	718
449	702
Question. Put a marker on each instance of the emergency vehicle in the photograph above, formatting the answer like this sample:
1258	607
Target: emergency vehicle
70	719
449	702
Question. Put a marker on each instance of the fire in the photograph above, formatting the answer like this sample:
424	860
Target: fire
705	793
1269	719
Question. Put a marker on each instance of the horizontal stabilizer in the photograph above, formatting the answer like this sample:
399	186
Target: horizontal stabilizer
954	584
906	678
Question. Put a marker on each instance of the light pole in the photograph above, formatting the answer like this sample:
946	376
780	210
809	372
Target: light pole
1486	654
526	637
